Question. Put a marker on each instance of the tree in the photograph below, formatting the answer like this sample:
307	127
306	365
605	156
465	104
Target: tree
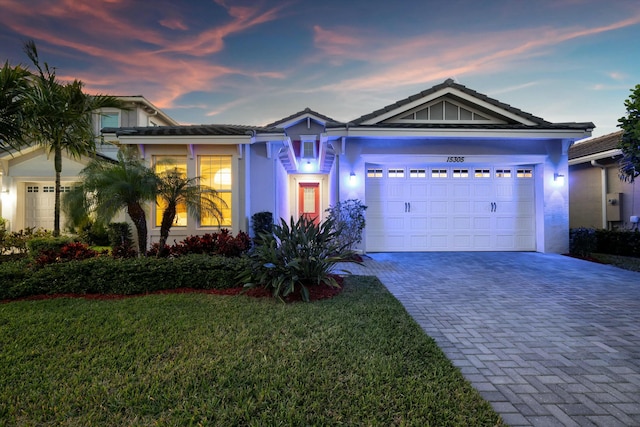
174	190
630	141
108	187
13	84
58	116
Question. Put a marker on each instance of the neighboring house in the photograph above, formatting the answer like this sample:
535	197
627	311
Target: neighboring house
598	198
27	176
447	169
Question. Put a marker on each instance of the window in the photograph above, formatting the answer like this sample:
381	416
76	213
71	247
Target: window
482	173
32	189
110	120
215	172
164	164
308	149
461	173
503	173
417	173
374	173
396	173
438	173
524	173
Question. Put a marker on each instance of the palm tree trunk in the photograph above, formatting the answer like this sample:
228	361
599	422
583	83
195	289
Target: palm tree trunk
57	161
139	218
168	215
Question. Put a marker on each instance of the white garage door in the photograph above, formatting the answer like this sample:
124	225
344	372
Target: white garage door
450	209
40	205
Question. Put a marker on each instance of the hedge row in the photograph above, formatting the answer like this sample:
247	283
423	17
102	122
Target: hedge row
105	275
585	241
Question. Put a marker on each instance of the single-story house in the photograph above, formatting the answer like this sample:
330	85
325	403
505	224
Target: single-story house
446	169
598	198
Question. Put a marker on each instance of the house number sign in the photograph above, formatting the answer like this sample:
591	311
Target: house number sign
455	159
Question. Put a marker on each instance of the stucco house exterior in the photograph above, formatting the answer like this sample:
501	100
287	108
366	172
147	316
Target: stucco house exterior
598	198
447	169
27	176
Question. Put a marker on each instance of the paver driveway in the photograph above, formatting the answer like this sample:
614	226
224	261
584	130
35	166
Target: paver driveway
547	339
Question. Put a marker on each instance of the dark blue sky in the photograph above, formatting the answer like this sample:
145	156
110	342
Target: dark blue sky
252	62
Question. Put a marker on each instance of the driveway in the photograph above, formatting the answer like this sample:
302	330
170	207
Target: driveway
547	339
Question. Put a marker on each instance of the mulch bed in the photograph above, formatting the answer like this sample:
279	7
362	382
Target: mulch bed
316	292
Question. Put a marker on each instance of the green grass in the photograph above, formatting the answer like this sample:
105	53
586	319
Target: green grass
625	262
195	359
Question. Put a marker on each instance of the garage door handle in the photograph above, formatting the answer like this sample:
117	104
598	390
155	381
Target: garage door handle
405	206
409	206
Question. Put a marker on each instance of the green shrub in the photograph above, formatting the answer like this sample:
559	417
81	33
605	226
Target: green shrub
106	275
295	255
38	245
261	222
348	222
625	243
94	234
119	234
16	241
582	241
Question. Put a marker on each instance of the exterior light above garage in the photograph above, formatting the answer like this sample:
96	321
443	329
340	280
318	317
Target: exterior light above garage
352	178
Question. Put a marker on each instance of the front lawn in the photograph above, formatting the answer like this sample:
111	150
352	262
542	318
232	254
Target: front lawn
196	359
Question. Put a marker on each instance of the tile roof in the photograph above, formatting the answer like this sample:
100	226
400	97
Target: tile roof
452	84
302	113
596	145
514	126
194	130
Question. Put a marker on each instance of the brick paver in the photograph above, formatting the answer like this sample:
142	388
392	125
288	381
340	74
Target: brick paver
547	339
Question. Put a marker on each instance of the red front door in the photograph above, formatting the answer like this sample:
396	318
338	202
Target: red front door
309	201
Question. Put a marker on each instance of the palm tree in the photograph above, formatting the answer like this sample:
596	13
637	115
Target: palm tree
175	189
108	187
58	117
13	84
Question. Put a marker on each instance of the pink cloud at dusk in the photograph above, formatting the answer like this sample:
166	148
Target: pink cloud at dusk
435	57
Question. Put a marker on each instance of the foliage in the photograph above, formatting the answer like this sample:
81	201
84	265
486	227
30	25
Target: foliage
582	241
16	241
630	141
222	243
614	242
58	116
121	240
294	256
13	84
261	222
94	233
109	187
106	275
180	360
348	219
73	251
175	189
37	245
585	241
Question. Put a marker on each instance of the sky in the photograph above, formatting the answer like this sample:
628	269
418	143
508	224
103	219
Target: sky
253	62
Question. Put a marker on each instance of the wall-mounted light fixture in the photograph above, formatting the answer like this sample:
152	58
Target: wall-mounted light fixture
352	178
558	179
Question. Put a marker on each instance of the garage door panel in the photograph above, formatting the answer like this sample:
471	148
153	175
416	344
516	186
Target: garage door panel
439	223
461	207
461	223
482	223
439	191
418	222
461	191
